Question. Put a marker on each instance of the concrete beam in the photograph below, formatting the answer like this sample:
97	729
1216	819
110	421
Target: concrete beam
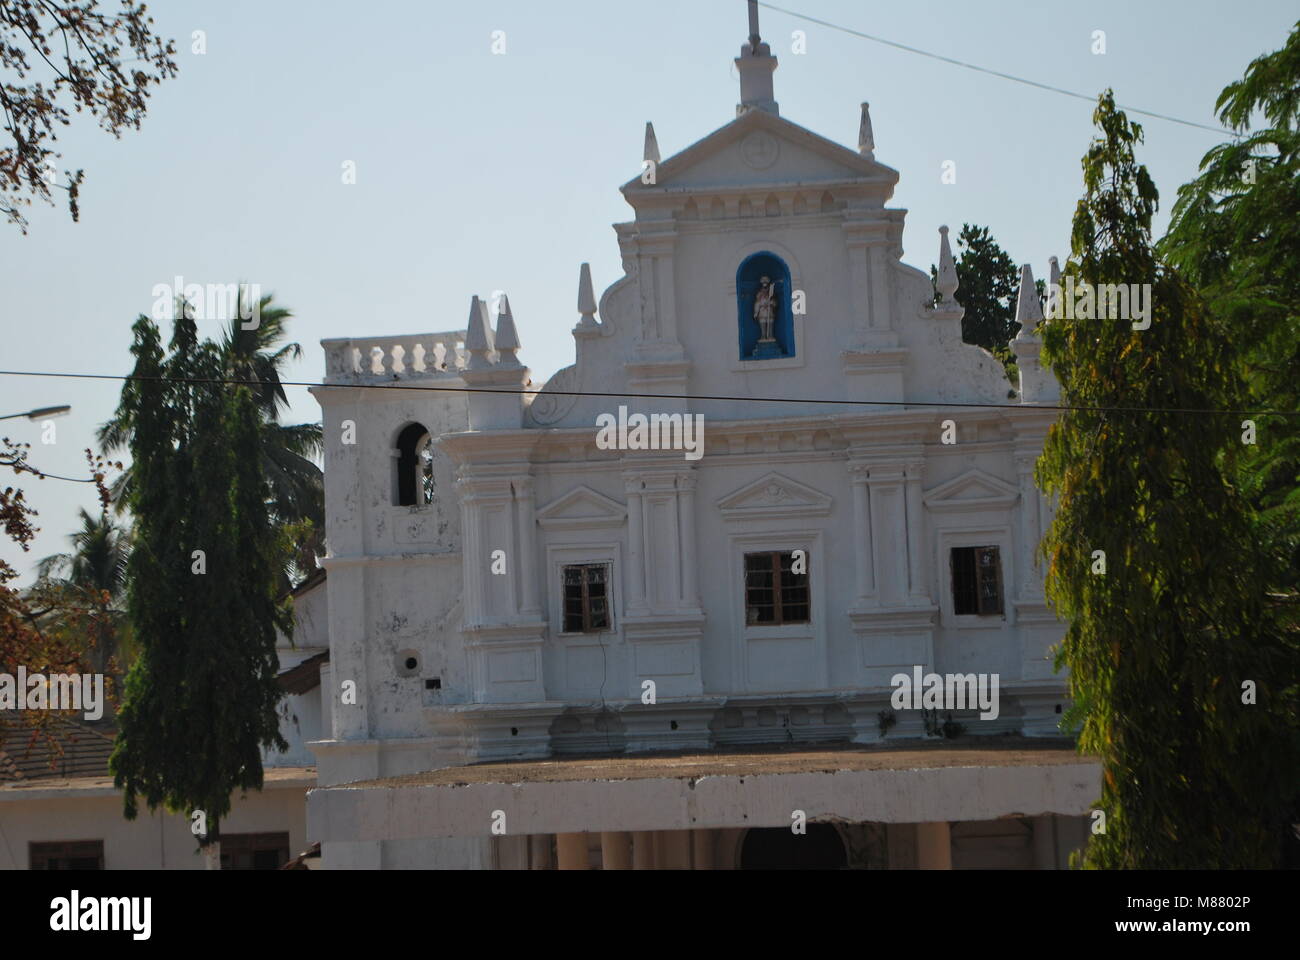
388	811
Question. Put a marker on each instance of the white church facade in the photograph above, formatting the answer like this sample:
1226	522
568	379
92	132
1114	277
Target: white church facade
557	641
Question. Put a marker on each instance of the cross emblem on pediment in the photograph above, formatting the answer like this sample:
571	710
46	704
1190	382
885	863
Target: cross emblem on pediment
759	150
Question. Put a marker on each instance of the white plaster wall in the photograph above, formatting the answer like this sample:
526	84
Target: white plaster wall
397	575
150	842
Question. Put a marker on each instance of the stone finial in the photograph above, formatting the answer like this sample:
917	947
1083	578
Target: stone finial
947	282
478	338
506	340
1029	312
756	65
586	298
651	152
866	139
1053	288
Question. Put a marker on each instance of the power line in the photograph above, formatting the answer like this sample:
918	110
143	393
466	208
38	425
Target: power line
956	404
993	73
18	465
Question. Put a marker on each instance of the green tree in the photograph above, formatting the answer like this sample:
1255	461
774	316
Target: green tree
199	705
1160	645
289	452
1235	233
83	592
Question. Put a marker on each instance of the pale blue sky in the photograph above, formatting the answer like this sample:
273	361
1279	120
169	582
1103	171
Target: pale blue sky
478	172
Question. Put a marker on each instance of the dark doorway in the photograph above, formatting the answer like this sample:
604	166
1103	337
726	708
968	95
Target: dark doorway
778	848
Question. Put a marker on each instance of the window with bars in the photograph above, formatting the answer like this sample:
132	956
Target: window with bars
67	855
774	593
254	851
976	581
586	598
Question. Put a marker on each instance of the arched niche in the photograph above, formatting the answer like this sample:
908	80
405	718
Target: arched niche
413	474
749	282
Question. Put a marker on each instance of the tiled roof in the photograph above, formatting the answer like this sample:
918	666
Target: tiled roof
305	676
79	750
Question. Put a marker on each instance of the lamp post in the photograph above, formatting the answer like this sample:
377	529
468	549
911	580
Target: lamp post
38	413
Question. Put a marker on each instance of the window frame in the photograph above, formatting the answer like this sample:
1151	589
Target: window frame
409	467
587	628
47	850
981	577
776	588
251	844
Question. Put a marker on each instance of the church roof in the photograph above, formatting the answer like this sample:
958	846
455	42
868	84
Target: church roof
839	163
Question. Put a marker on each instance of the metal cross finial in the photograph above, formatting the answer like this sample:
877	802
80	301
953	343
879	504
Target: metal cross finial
754	38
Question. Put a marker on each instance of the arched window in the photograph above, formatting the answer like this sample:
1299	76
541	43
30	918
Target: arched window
415	484
763	301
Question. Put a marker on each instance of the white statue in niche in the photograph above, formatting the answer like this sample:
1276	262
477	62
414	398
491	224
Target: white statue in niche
765	311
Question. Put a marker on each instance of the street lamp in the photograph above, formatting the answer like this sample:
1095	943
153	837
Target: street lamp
39	413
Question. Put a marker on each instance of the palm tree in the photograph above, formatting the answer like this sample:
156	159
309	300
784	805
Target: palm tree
84	591
290	452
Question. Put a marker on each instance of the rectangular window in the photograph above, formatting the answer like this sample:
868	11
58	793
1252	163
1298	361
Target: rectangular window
976	581
774	593
586	598
67	855
254	851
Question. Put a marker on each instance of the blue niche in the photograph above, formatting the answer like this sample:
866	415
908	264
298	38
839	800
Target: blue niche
749	288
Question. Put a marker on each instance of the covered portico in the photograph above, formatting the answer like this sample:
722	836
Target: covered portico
894	807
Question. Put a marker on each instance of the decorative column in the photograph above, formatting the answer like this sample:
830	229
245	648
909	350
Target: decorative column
571	851
888	521
636	603
702	848
615	851
690	592
503	643
530	604
934	846
643	850
1030	581
916	542
862	532
664	624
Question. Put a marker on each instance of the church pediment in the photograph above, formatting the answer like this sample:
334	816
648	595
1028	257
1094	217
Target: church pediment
773	497
582	508
760	149
973	490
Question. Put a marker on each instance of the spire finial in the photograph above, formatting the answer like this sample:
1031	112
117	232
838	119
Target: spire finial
947	281
756	65
478	338
651	144
866	139
586	299
506	340
1029	312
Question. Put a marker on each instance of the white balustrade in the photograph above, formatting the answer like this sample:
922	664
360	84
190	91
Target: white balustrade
427	355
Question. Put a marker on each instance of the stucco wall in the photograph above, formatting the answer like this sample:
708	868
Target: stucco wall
151	841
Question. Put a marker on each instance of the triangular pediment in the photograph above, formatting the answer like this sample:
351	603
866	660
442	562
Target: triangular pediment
973	490
759	149
774	496
582	507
